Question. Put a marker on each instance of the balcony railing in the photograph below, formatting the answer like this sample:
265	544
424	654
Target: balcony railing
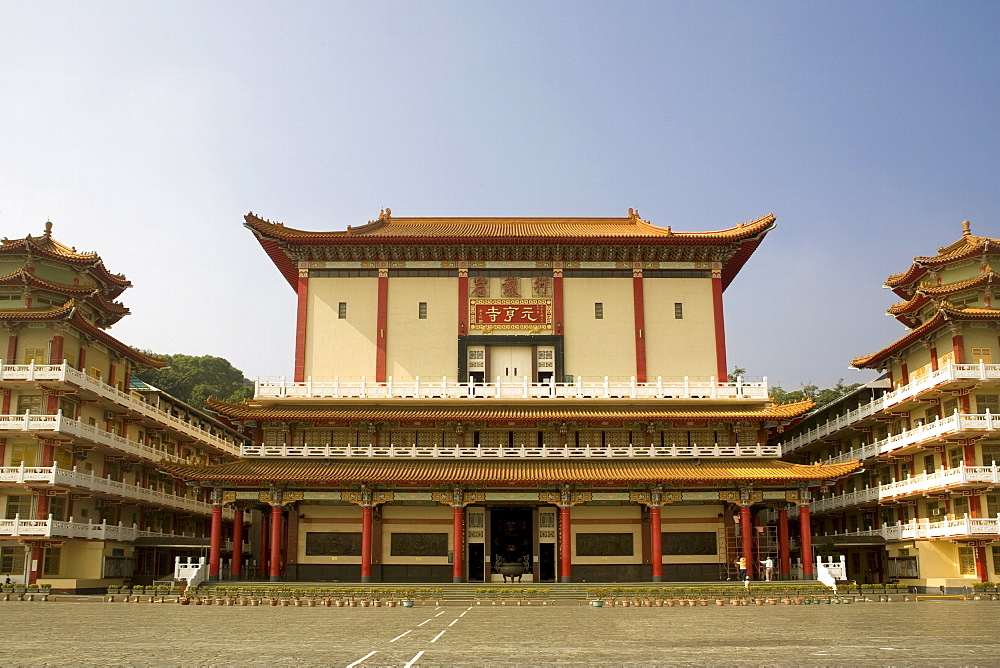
53	475
965	527
64	425
869	495
522	452
67	374
957	422
947	374
960	475
451	388
50	528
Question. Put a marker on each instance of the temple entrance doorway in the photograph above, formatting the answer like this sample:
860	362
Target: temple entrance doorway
512	539
511	363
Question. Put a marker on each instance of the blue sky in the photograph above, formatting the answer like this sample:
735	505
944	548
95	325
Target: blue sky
146	130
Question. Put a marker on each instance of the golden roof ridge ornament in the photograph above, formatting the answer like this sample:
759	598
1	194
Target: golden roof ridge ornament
966	228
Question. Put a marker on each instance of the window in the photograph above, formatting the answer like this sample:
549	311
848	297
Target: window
29	402
12	560
929	465
955	458
991	454
993	507
598	311
342	310
36	355
678	311
984	354
50	565
967	560
902	567
422	310
18	505
950	407
988	402
961	506
996	559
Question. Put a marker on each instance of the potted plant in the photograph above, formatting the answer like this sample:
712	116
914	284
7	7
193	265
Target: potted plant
408	596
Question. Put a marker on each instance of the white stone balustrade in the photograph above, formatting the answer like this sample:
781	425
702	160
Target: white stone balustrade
67	374
868	495
965	527
50	528
523	452
960	475
947	374
63	425
53	475
449	388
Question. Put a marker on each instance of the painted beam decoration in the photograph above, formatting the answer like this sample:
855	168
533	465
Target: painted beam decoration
490	314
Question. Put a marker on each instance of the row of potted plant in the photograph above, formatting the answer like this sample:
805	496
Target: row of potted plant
16	588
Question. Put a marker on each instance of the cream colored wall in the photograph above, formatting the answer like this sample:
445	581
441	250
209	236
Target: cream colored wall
980	338
327	519
427	348
415	519
593	347
679	347
336	347
692	518
81	559
608	519
939	564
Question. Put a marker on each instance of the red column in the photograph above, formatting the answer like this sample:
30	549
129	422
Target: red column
639	311
463	305
275	570
366	543
458	539
237	569
720	328
557	301
656	543
56	354
215	543
805	528
784	554
302	290
981	571
565	548
11	350
382	321
746	538
934	359
958	347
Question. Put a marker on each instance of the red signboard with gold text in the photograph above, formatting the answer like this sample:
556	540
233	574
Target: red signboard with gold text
510	314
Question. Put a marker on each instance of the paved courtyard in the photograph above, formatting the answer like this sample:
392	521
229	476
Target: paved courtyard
898	634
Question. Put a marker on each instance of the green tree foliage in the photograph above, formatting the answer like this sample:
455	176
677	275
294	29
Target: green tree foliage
194	379
807	391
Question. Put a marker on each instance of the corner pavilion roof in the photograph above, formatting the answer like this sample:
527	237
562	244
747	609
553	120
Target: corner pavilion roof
388	231
436	410
505	472
946	313
968	246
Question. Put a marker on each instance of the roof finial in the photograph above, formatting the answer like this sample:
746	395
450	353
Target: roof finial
966	229
48	228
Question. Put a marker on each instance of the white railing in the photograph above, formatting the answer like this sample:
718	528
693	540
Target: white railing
965	527
522	452
67	374
868	495
64	425
450	388
932	430
53	475
960	475
948	373
51	528
192	569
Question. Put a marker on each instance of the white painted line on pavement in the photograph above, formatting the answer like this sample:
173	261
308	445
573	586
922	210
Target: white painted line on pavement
453	623
440	613
439	635
401	635
465	613
351	665
425	621
414	659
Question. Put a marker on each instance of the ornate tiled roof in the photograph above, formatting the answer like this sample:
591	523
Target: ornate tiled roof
434	410
505	472
946	312
966	247
389	232
986	277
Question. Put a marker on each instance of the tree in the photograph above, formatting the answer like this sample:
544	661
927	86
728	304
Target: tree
194	379
807	391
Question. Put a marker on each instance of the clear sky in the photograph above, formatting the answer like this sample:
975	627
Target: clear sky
145	131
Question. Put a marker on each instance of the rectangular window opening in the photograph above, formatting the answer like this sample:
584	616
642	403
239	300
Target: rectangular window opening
598	311
422	310
342	310
678	311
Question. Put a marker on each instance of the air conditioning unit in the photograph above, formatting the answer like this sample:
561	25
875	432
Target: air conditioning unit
98	503
935	511
108	416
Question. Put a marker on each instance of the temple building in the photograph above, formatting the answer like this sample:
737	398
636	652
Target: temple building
478	398
925	509
84	500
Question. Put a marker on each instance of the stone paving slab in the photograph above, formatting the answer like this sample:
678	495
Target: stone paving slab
87	632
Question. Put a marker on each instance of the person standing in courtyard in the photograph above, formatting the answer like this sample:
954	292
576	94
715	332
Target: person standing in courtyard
768	568
741	566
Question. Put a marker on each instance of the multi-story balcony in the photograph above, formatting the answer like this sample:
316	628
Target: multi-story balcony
450	388
64	426
946	375
50	528
859	497
522	452
916	438
63	373
73	479
965	527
